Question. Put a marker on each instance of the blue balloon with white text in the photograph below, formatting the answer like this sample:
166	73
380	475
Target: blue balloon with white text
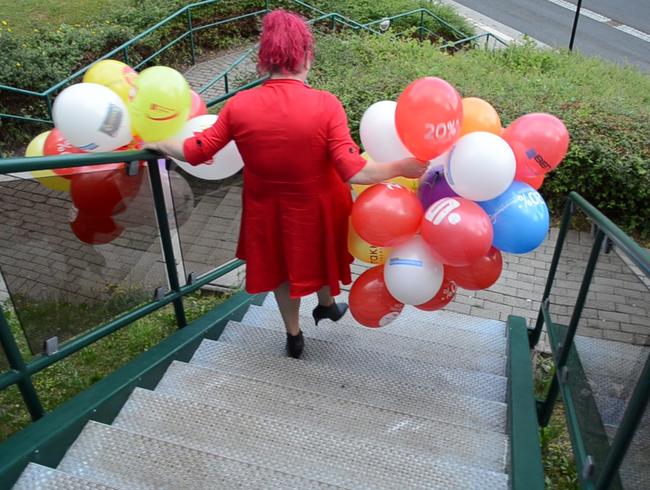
519	217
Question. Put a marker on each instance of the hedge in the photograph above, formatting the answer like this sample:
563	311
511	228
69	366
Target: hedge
605	107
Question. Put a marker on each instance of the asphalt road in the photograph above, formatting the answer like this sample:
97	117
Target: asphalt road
599	31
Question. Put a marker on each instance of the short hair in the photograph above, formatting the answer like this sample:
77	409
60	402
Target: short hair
286	43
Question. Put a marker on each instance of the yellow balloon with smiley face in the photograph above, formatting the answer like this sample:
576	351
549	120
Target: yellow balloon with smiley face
161	103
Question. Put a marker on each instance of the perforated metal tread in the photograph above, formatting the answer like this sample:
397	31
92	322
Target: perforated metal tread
372	388
331	414
132	461
379	341
403	325
38	477
363	361
349	462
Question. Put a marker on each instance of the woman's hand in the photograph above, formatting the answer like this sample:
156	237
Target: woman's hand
374	172
169	148
412	168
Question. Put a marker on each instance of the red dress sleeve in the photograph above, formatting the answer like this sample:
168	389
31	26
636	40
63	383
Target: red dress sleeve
202	146
342	149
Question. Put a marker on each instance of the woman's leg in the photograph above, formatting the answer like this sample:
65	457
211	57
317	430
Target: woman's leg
325	297
289	308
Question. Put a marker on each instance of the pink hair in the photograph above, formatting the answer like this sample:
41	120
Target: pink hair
286	43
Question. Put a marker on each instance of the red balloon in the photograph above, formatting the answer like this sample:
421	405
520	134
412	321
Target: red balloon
442	298
534	181
386	215
370	302
104	193
198	107
540	142
458	231
428	117
95	230
481	274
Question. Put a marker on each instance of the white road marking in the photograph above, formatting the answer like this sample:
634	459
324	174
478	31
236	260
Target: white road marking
604	20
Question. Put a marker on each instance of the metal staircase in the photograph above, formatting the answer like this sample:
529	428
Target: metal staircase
418	404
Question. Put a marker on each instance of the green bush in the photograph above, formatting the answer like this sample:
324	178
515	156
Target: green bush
605	107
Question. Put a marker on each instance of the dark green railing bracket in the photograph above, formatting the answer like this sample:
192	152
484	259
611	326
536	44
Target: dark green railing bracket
19	369
526	470
166	239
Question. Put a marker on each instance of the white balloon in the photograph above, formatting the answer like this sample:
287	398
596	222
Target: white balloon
225	163
481	166
379	134
411	273
92	117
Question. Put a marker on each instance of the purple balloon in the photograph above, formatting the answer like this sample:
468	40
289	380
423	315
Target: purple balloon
433	187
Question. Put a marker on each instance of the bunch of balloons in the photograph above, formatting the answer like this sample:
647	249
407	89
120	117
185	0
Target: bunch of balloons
477	199
116	109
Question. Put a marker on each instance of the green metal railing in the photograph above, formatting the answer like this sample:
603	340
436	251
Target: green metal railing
589	436
186	13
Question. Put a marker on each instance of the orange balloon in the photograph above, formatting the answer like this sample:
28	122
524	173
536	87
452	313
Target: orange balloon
478	115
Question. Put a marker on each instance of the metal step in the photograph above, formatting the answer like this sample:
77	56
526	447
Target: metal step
362	361
291	447
403	325
372	388
330	414
132	461
380	340
37	477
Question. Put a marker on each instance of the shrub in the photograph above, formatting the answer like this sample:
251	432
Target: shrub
604	106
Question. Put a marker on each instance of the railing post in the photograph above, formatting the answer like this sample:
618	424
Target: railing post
575	25
564	226
421	25
17	363
190	29
225	84
125	55
165	238
48	101
545	408
633	414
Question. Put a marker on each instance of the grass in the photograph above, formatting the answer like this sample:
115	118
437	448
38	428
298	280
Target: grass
74	374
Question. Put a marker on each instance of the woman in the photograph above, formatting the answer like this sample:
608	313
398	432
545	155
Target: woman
298	155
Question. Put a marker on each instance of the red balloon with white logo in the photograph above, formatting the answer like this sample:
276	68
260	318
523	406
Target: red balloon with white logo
370	302
443	297
428	117
539	140
479	275
458	231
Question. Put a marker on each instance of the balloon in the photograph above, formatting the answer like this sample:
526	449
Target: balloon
478	115
46	178
412	275
540	142
428	117
92	117
386	215
519	217
36	146
535	181
115	75
480	274
481	166
225	163
161	103
363	251
57	144
197	106
458	231
370	302
443	297
95	230
104	193
379	135
433	187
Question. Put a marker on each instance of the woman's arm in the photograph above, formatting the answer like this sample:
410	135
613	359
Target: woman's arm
374	172
170	148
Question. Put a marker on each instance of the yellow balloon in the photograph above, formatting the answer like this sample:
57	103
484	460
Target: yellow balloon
362	250
117	76
161	103
45	177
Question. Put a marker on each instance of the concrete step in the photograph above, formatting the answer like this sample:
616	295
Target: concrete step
336	415
293	448
373	388
38	477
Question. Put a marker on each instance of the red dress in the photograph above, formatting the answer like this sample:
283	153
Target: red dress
298	154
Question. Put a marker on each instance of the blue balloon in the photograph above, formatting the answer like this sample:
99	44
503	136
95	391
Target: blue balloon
519	217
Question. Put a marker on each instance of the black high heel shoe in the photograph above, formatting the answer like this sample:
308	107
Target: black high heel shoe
295	345
333	312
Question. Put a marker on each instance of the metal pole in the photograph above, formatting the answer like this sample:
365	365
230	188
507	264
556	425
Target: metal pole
190	29
166	239
17	363
421	26
575	25
125	54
